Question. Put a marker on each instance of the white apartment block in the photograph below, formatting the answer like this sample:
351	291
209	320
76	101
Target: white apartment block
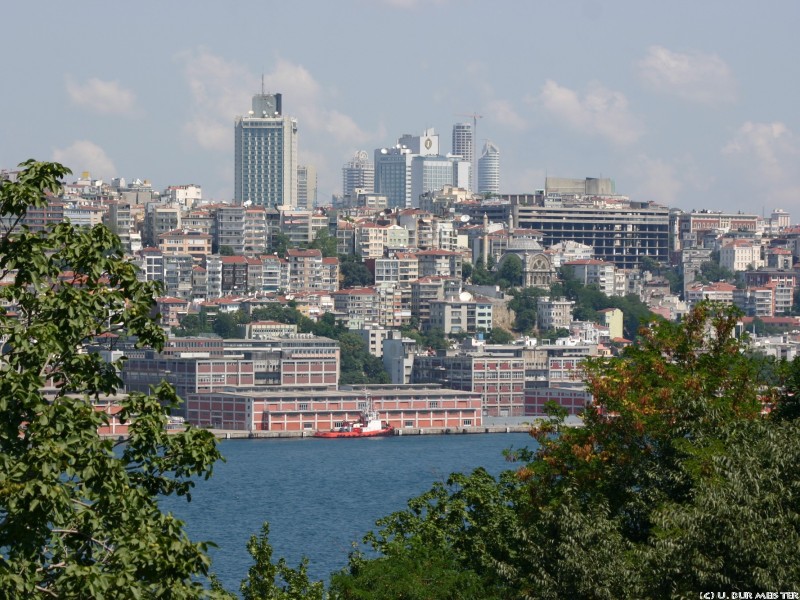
595	272
553	314
741	255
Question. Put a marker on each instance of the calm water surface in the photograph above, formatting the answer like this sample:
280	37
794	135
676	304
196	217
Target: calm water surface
320	496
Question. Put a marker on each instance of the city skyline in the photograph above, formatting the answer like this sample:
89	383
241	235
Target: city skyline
678	104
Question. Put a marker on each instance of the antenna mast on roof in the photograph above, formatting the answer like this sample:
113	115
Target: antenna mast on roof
262	84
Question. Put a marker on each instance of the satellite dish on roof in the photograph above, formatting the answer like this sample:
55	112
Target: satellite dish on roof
464	218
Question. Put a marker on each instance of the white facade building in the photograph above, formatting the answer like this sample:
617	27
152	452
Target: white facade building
489	169
266	154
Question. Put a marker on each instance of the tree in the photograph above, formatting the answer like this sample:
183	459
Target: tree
226	251
354	272
79	517
325	243
499	336
279	243
510	273
676	483
274	581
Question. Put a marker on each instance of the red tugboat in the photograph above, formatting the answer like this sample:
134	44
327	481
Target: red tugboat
368	425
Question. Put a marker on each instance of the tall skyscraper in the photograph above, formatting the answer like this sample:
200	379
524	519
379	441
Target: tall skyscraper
359	173
463	145
489	169
306	186
266	154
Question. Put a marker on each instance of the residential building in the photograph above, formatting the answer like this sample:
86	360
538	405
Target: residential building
185	241
462	314
553	313
599	273
741	255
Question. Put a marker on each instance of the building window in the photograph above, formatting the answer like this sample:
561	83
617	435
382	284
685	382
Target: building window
408	423
302	406
467	422
308	426
433	404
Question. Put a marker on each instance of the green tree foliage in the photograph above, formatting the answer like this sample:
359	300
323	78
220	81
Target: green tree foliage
325	243
79	518
524	303
510	273
267	580
677	483
226	325
480	275
354	272
226	251
279	243
499	336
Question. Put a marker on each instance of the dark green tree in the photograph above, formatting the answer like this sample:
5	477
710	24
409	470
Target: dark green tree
226	251
80	518
354	272
268	580
279	243
325	243
510	272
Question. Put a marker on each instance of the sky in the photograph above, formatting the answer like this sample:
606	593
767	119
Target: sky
690	104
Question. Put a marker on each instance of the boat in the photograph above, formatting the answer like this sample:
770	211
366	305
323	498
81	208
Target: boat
368	424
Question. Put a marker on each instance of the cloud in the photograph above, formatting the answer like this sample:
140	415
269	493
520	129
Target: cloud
767	153
104	97
501	112
222	89
84	155
602	112
218	90
696	77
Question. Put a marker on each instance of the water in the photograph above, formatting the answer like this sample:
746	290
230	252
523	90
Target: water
321	496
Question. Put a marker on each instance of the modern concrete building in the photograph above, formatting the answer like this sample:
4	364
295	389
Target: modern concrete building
306	186
489	169
620	231
265	171
358	174
464	144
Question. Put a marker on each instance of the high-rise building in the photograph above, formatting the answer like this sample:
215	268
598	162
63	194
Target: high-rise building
266	154
306	186
489	169
359	173
433	173
393	175
463	145
393	168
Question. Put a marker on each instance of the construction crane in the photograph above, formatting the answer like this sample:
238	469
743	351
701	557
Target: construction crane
474	168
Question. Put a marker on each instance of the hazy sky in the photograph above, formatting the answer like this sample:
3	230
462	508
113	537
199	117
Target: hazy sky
692	104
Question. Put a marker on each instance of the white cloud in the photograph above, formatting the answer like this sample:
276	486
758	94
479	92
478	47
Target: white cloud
601	112
105	97
767	153
501	112
219	91
697	77
84	155
222	89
